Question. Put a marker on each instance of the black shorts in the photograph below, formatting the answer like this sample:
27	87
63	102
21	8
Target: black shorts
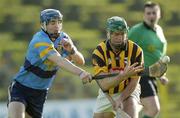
148	86
33	99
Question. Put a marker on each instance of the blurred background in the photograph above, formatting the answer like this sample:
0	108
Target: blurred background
84	21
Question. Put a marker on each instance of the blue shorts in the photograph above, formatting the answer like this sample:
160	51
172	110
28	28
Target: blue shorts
33	99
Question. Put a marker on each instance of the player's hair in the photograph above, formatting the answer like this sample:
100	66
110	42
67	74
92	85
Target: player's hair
151	4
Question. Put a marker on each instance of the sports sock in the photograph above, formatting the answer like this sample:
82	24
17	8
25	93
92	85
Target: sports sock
146	116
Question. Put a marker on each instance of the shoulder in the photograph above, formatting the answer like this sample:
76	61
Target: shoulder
136	30
40	39
100	47
41	36
159	28
64	35
102	44
134	45
137	26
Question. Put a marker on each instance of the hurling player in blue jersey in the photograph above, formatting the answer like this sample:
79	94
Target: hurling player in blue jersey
49	50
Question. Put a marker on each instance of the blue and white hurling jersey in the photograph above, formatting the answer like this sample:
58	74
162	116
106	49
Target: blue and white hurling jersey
38	72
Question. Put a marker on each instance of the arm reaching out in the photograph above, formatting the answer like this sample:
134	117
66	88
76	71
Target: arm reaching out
67	65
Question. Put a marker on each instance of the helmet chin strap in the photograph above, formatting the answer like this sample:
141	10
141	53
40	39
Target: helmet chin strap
51	35
43	26
118	47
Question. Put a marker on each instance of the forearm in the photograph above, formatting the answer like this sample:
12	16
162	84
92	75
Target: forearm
66	64
145	72
108	83
129	89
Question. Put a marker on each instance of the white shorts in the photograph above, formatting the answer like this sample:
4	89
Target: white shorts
103	104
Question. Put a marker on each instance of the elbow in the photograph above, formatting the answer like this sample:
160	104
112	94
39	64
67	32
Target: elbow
81	61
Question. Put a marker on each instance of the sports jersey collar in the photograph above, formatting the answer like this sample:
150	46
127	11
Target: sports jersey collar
46	34
148	27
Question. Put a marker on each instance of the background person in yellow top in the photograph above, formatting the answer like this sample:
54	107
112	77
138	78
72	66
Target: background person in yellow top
116	54
149	36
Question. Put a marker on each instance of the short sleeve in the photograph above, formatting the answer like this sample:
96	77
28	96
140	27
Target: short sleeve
98	62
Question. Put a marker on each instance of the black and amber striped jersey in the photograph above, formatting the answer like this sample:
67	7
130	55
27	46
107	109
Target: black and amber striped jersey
106	61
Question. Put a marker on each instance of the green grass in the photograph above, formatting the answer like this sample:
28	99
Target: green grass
7	43
170	94
173	47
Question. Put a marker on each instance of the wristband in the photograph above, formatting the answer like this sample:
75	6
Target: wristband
81	73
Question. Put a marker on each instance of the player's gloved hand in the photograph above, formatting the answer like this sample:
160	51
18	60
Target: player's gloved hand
164	80
159	68
86	77
118	104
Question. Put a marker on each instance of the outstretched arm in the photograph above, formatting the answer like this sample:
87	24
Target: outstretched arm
67	65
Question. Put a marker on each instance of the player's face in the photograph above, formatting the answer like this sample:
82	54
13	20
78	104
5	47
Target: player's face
118	39
152	15
54	26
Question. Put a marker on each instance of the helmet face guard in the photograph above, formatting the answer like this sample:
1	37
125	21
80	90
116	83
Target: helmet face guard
116	24
119	47
47	15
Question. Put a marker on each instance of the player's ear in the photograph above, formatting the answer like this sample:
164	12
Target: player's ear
108	35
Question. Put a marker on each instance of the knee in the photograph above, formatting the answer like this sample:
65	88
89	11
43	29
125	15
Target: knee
152	111
156	110
16	110
16	115
104	115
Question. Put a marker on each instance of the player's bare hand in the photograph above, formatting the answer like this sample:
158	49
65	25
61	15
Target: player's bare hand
86	77
118	104
67	44
131	70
